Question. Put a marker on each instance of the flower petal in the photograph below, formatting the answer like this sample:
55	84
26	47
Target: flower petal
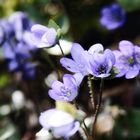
132	73
29	71
44	117
62	130
70	83
78	77
103	75
55	118
76	51
54	95
8	52
97	48
49	37
105	11
109	54
126	47
73	131
98	58
13	65
56	85
69	80
37	32
69	64
39	28
121	73
117	54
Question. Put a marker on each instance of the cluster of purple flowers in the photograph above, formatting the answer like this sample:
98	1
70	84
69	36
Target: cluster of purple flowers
60	123
17	45
96	61
103	63
19	37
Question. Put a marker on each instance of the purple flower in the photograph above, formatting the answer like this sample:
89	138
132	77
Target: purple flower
112	17
16	44
17	57
2	36
43	36
28	70
16	29
60	123
127	59
66	91
7	28
20	23
101	63
79	64
26	38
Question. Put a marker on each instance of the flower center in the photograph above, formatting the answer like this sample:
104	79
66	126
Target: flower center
131	61
101	69
81	66
65	91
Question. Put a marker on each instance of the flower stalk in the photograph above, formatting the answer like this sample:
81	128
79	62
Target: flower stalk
91	91
58	43
98	107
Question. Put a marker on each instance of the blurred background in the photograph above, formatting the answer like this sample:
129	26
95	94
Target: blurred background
26	74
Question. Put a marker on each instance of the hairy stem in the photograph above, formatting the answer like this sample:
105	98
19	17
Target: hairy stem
91	91
98	107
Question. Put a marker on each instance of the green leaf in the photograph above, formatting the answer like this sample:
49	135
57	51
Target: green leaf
52	24
134	123
4	80
128	126
8	131
67	107
130	5
1	54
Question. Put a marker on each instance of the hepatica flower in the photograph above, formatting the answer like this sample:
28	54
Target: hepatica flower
2	35
43	36
66	91
127	59
112	16
101	62
16	44
16	29
79	63
17	57
7	29
20	23
60	123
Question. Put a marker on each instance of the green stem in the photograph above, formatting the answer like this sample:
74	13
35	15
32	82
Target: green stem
86	133
61	49
98	107
85	127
